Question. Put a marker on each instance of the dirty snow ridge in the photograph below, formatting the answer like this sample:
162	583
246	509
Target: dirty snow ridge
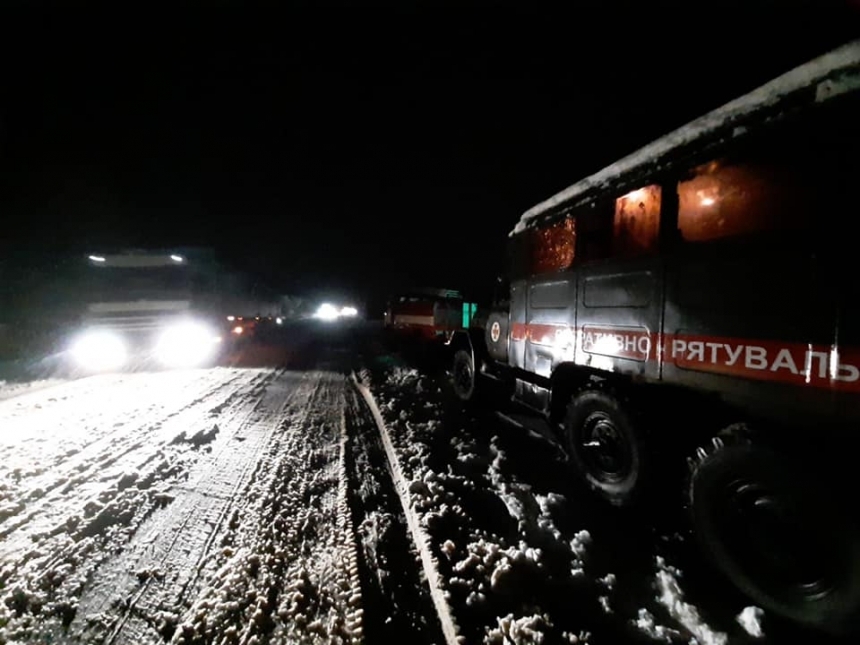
11	389
419	537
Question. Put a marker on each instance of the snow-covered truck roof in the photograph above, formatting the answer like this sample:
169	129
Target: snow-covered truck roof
831	74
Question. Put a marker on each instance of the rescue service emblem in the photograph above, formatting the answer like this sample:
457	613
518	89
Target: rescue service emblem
495	332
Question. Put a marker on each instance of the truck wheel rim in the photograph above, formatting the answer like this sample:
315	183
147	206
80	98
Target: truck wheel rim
605	449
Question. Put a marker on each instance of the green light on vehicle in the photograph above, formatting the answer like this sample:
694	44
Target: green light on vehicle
469	309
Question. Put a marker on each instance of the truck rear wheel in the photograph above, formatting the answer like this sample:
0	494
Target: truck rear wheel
605	446
775	535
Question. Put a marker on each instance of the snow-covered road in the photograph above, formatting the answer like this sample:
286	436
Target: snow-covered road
205	506
261	505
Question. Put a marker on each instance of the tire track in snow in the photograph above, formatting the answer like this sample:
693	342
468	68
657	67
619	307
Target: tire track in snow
398	604
52	496
419	536
86	463
346	530
288	570
164	561
44	582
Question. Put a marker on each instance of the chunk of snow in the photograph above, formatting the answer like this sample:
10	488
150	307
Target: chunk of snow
469	563
499	574
819	70
579	543
550	501
672	598
750	620
608	581
646	623
525	630
476	598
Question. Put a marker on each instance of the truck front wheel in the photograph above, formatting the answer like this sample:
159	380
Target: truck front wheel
605	446
775	535
463	376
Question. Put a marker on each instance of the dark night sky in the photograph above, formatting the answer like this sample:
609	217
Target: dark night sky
361	149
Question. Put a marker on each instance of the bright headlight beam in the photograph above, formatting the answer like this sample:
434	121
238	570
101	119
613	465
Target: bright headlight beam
349	311
99	351
186	345
177	258
327	311
97	258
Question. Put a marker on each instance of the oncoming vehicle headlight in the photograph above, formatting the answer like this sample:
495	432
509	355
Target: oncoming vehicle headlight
99	351
188	344
327	312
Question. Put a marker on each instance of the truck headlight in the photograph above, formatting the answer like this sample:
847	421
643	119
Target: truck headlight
99	351
186	345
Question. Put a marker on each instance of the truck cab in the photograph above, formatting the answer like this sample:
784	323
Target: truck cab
144	307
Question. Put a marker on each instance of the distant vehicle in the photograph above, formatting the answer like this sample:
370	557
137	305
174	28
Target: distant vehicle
700	298
146	307
329	312
246	328
427	314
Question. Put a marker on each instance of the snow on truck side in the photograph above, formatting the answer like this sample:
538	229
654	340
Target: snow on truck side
696	301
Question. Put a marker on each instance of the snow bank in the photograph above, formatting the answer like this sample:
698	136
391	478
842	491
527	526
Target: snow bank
416	524
516	546
9	389
502	544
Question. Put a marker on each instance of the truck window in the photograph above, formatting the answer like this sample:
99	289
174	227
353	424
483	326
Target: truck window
726	199
552	246
636	226
786	178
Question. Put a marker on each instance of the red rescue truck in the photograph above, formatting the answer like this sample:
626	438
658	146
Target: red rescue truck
427	314
699	298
